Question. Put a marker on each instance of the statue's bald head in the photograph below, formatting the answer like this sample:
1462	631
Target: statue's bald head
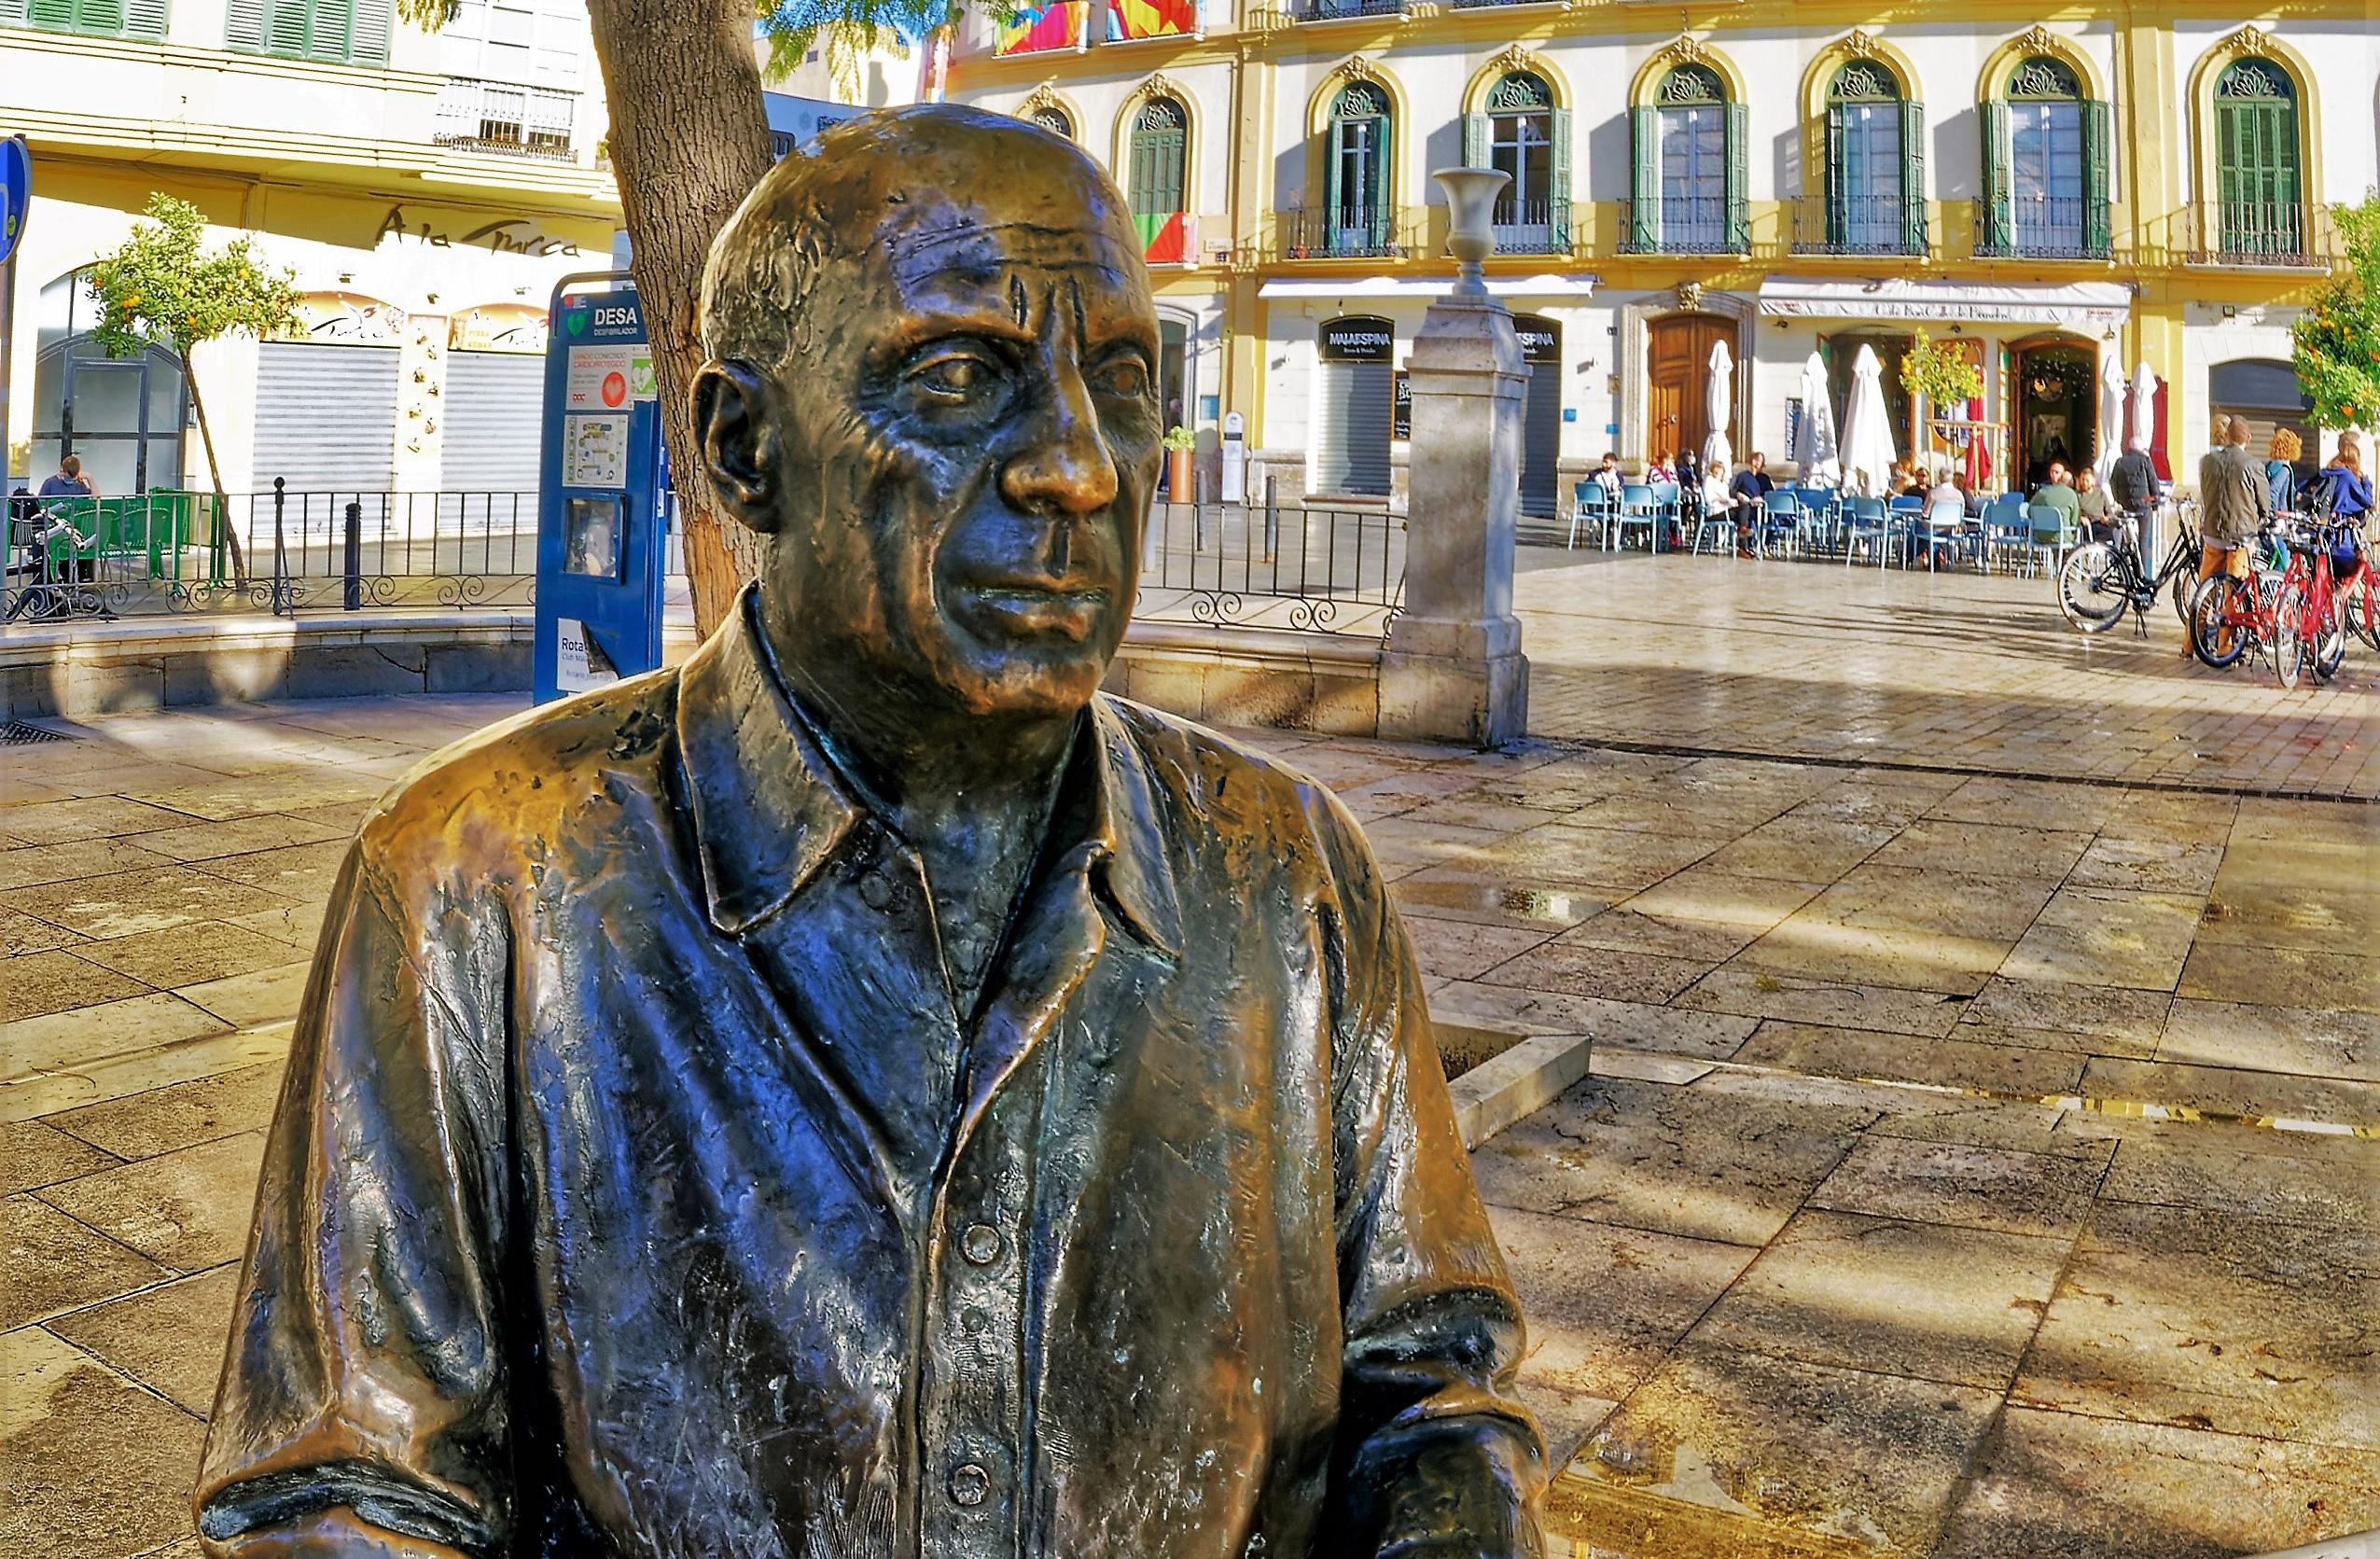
894	190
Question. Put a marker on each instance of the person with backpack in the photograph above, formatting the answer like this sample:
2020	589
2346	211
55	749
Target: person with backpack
2342	489
2234	501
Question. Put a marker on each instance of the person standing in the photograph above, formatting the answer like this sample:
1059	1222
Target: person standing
2345	483
2234	501
2281	470
2132	484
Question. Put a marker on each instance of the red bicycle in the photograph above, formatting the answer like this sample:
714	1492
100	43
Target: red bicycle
2294	611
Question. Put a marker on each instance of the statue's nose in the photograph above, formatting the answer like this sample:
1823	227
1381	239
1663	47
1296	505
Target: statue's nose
1064	468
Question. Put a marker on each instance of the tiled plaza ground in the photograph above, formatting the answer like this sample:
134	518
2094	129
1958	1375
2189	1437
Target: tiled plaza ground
1866	1237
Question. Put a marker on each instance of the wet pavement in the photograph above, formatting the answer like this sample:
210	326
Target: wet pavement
1972	1166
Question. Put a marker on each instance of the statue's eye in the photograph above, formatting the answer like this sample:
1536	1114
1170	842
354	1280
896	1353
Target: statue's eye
955	375
1125	377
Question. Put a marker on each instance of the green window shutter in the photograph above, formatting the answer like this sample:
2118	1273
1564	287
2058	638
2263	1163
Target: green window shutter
12	13
243	25
99	18
1644	191
284	27
56	15
1997	229
1838	190
1333	151
368	41
1912	177
144	19
2095	178
1475	140
1558	197
1739	180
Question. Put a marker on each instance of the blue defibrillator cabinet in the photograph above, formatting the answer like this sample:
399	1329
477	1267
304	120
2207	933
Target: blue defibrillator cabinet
603	509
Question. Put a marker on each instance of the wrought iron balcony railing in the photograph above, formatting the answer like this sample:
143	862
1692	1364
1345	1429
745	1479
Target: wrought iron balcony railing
2277	234
1314	232
1860	224
1331	11
1531	227
1684	225
2040	227
507	117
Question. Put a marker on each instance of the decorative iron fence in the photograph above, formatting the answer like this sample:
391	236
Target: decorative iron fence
507	117
2279	234
1277	565
1860	224
2040	227
1530	226
1685	225
281	551
1314	233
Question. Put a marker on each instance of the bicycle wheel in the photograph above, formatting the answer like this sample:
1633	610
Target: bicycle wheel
2326	637
2362	612
2217	606
2090	587
2290	650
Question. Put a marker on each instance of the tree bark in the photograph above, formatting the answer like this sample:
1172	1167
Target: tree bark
688	141
215	480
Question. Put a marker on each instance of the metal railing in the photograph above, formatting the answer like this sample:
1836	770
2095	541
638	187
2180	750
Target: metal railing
1310	233
1331	11
1274	564
1684	225
1860	224
1530	226
314	551
507	117
2280	234
2037	227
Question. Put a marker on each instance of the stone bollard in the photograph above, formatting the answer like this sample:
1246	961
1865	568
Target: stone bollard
1453	670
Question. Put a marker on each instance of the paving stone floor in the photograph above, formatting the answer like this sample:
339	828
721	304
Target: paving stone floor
1971	1167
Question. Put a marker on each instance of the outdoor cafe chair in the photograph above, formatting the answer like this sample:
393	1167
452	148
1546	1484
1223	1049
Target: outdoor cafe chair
1637	507
1821	508
1591	506
1718	525
1868	519
1941	524
2006	529
2049	531
1779	522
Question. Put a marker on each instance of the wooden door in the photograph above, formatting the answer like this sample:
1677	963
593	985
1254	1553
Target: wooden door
1678	369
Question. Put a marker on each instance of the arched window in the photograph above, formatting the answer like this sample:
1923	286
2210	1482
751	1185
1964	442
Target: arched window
2257	182
1521	133
1052	119
1690	168
2046	165
1160	145
1876	164
1360	213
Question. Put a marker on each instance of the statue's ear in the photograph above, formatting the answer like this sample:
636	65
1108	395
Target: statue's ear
735	416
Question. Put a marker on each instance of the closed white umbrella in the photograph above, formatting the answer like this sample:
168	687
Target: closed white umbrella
1867	452
2112	415
1815	446
1721	393
2140	416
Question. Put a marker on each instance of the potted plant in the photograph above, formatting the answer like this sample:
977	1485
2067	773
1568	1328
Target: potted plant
1180	441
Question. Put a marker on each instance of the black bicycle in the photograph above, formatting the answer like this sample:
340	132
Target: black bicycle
2102	581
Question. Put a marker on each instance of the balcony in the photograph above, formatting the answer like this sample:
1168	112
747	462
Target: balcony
1860	224
505	117
1684	225
1349	233
2039	226
2261	235
1531	227
1334	10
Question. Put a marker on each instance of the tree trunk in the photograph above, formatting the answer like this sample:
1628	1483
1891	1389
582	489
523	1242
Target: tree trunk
688	141
215	480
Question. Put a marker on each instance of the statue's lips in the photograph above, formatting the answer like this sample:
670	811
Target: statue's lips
1029	609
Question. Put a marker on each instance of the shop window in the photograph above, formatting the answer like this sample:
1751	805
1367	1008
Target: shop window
105	19
1692	167
1522	134
2257	184
1159	154
1875	165
2045	151
349	32
1359	214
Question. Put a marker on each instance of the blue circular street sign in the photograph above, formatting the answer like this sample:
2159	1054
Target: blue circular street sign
16	192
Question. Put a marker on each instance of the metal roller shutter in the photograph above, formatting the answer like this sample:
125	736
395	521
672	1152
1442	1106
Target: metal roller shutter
494	404
1351	447
325	418
1541	441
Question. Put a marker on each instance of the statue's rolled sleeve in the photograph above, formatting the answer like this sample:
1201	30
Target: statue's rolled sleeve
362	1407
1436	1454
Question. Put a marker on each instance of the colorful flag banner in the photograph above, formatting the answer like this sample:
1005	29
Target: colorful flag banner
1032	30
1150	19
1165	236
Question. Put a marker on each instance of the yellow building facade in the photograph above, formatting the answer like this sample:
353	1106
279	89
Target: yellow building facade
426	189
2063	192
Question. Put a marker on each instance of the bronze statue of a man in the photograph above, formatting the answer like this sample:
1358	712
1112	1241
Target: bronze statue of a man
865	1092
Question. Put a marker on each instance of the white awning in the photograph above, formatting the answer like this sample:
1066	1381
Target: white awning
2078	305
1425	287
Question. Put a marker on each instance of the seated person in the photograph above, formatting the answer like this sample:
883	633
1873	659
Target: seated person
2092	504
2058	494
1606	477
1660	469
1747	495
1970	501
1946	492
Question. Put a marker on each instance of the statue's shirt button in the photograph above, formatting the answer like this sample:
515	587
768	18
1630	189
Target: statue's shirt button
981	1243
969	1484
876	890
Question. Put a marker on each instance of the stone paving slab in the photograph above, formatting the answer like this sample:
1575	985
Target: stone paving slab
1927	1155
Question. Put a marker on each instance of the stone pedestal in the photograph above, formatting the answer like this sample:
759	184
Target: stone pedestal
1453	670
